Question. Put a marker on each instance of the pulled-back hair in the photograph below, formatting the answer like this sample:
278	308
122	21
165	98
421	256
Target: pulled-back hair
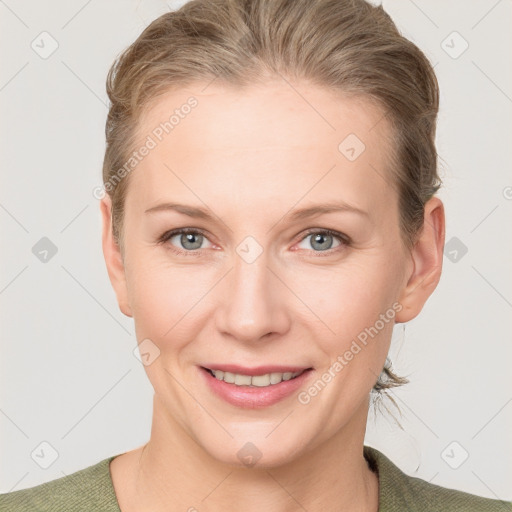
347	46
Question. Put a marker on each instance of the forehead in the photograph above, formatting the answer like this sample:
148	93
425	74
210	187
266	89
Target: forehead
277	140
305	110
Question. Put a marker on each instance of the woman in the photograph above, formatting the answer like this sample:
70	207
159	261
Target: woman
270	215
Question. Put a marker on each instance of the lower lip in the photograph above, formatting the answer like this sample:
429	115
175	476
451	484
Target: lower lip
254	397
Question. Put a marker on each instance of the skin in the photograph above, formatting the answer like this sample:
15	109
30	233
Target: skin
252	157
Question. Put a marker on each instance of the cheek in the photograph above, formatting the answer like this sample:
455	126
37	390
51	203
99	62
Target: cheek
349	298
356	304
166	299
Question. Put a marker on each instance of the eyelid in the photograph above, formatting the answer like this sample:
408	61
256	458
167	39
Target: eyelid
336	234
178	231
342	238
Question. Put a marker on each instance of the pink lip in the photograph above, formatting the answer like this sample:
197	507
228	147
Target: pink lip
258	370
254	397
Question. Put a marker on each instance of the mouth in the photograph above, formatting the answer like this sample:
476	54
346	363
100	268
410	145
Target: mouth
258	377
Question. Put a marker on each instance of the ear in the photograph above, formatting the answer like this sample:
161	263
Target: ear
113	257
427	262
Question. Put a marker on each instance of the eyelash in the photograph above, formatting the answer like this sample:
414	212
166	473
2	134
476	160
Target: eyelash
343	239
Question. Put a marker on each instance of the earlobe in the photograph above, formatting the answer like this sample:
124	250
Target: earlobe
113	257
427	262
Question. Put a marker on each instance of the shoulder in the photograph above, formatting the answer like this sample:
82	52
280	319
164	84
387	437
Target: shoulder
398	491
87	489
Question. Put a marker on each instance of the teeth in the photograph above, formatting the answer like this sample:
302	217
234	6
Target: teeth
257	380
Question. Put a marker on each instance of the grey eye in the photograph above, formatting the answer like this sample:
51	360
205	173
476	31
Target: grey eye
189	241
320	241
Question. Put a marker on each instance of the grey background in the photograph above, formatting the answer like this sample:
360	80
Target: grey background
68	373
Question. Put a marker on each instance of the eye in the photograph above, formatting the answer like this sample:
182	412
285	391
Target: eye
322	240
189	241
185	240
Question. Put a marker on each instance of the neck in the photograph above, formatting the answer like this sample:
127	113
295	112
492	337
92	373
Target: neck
172	472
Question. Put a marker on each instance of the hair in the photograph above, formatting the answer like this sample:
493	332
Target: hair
346	46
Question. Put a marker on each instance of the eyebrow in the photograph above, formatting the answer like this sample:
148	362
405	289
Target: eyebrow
302	213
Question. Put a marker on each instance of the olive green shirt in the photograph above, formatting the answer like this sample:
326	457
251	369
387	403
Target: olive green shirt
91	490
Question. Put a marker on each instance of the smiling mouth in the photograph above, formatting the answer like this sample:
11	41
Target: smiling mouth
268	379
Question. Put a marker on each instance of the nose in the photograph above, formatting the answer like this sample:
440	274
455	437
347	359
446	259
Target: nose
252	302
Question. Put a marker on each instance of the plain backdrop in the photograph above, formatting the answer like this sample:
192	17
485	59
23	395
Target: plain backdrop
72	391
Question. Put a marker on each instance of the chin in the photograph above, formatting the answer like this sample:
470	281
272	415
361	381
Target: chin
259	451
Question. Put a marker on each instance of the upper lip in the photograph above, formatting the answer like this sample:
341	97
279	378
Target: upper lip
256	370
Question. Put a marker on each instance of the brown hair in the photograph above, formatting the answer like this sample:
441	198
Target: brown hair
348	46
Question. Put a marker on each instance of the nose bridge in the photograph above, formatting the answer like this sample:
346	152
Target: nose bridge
251	307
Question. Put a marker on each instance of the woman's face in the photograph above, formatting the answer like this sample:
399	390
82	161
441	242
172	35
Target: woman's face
262	178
